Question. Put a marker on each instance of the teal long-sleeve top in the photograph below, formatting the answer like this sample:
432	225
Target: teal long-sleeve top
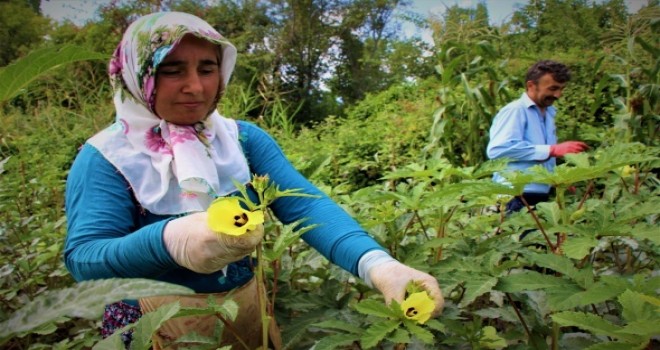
110	235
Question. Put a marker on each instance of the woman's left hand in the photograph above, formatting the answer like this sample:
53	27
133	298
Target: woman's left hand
392	277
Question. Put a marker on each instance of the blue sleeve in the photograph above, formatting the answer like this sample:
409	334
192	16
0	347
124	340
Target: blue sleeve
338	237
105	235
509	137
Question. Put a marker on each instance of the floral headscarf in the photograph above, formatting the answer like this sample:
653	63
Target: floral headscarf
172	169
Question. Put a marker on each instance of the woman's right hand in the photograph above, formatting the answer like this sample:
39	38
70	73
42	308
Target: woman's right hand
194	246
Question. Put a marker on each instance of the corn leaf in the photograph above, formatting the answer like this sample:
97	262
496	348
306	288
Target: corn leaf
20	73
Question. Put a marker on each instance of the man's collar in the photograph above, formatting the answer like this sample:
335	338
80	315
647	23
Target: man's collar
529	103
526	100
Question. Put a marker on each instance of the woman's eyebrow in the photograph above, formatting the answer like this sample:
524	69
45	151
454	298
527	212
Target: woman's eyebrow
205	62
171	63
209	62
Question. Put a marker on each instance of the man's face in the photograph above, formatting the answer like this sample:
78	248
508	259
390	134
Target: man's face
545	92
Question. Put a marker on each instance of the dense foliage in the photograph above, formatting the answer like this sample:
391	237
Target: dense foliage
395	131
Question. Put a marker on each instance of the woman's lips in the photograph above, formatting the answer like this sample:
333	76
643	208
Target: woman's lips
190	104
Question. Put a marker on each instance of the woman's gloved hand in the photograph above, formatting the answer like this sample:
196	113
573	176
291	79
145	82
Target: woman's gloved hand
392	277
194	246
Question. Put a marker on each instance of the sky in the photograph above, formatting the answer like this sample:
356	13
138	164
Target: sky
79	11
499	11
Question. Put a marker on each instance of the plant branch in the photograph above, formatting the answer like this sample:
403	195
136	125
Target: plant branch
587	192
538	223
232	329
276	272
261	290
615	253
522	320
421	223
637	183
625	185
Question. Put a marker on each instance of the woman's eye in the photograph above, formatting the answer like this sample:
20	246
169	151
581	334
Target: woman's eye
208	70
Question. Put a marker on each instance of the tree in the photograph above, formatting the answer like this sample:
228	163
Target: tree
582	23
364	45
21	29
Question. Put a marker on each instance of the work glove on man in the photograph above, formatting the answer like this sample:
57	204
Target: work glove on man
564	148
392	277
196	247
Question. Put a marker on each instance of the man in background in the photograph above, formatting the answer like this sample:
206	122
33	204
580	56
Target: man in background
524	130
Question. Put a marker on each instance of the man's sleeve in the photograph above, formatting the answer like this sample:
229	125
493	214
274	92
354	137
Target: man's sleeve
507	138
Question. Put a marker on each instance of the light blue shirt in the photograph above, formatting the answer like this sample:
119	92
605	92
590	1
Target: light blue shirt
521	133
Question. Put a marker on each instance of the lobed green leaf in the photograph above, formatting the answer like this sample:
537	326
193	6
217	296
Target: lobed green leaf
85	300
377	332
375	308
335	341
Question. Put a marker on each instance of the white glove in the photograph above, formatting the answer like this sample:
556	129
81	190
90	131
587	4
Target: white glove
392	277
194	246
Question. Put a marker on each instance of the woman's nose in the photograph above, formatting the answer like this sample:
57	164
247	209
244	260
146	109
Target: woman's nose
193	83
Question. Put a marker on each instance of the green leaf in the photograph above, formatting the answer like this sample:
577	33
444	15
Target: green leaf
195	338
646	231
400	336
419	332
228	308
85	299
471	189
47	328
551	211
375	308
557	263
149	323
529	280
615	345
590	322
113	342
635	308
621	79
436	325
651	300
475	287
377	332
596	293
578	159
334	324
290	234
490	340
644	328
335	341
578	247
650	48
20	73
562	298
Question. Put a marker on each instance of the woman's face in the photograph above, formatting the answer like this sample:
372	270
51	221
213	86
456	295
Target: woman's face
188	81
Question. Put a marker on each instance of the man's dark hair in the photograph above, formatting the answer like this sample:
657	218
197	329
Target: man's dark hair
559	71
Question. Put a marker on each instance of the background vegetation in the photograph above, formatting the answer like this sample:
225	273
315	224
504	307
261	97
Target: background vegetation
395	130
